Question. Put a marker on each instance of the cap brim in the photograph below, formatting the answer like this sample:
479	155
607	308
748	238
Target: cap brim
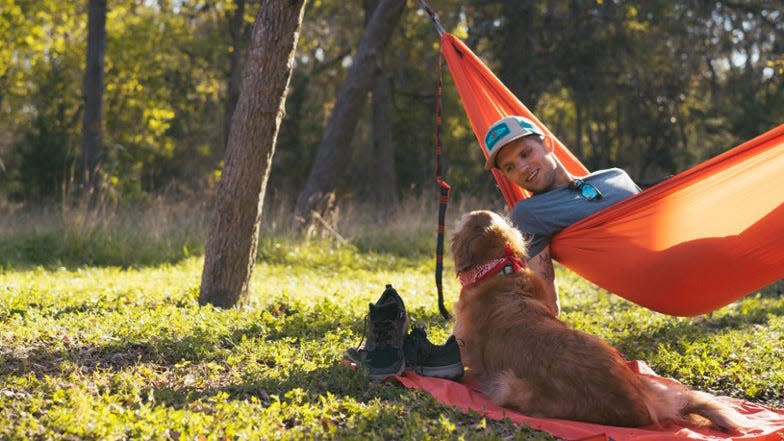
490	162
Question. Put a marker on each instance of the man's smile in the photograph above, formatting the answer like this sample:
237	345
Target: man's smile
532	176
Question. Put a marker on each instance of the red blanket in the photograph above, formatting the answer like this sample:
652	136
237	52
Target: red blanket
465	395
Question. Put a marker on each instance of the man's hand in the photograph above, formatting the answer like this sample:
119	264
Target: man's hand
542	264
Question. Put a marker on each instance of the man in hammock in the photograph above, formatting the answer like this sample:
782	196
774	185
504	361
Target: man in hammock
520	150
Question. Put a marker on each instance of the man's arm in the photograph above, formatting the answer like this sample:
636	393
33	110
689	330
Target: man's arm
542	264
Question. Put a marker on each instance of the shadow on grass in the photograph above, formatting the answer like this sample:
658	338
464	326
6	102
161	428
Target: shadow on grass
203	345
702	327
91	358
260	380
56	250
161	351
105	305
267	383
336	380
57	313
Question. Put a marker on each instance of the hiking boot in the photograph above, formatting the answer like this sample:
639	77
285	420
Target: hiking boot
355	355
387	323
430	360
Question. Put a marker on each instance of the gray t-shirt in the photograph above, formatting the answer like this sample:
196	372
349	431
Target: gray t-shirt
543	215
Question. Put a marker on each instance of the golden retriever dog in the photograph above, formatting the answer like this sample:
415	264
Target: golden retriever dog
524	357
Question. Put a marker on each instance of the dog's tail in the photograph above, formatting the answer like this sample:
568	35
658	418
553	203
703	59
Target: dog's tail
719	413
670	400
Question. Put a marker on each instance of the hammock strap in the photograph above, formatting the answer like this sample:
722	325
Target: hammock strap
433	17
444	198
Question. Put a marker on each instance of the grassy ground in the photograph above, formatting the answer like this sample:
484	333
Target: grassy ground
101	336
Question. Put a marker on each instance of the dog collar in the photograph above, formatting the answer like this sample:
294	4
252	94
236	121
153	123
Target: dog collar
508	264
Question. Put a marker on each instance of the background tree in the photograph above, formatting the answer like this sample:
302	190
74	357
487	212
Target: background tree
41	105
92	123
328	38
379	175
332	154
638	84
651	86
239	30
234	231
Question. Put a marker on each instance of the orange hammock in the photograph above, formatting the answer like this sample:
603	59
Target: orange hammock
694	243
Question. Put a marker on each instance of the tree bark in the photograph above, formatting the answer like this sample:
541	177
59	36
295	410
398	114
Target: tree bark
234	231
238	34
526	46
381	178
384	188
333	153
384	185
92	127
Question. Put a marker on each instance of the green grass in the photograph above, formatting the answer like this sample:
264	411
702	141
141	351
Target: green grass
117	349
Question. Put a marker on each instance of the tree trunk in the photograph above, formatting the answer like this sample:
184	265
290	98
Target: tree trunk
384	185
333	153
237	30
379	161
526	50
234	231
92	127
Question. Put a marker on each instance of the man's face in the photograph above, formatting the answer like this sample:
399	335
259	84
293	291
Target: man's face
528	163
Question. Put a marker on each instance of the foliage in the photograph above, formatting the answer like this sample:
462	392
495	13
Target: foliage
163	94
163	73
39	104
104	352
650	86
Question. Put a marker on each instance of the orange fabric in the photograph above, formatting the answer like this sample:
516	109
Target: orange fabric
694	243
691	244
465	395
486	100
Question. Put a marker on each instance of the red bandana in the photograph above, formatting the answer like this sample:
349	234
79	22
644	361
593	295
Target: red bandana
508	264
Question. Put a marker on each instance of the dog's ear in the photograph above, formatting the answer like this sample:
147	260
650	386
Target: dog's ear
479	236
512	237
466	232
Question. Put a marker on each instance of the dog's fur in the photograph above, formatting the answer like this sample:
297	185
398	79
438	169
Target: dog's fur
525	357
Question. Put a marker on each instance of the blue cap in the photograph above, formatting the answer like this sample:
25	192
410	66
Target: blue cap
505	131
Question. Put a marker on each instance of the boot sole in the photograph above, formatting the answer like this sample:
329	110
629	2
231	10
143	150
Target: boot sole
450	372
381	376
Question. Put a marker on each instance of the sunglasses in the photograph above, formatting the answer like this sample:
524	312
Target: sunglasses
587	191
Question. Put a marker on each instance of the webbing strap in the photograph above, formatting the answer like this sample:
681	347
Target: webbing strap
433	17
444	187
444	199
